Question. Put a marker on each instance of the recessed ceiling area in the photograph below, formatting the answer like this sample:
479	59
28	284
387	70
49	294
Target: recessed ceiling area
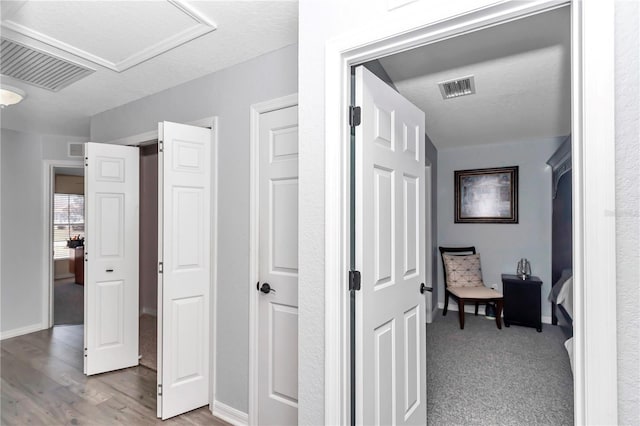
522	80
137	48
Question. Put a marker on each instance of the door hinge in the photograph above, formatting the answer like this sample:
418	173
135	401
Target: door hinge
86	161
354	280
160	146
159	390
159	267
354	116
85	352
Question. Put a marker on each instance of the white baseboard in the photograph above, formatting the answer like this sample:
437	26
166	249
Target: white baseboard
149	311
20	331
470	309
229	414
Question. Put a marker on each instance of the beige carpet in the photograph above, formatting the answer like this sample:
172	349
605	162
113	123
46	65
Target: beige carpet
148	341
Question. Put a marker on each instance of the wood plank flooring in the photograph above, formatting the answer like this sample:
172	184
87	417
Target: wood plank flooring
42	384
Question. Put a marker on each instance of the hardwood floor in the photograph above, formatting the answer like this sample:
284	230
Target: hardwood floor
42	384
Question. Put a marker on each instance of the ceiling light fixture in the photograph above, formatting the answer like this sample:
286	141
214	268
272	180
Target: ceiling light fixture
10	95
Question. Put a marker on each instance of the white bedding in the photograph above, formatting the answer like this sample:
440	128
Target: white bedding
565	296
569	346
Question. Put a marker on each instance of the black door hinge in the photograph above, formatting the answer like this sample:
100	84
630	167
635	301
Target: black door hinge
354	280
354	116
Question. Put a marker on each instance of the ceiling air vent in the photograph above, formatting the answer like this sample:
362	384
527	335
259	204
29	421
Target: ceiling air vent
76	149
458	87
38	68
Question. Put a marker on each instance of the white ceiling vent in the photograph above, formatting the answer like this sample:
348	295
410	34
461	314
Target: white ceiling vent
38	68
458	87
76	149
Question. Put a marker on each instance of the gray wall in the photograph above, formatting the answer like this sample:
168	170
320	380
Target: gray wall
23	266
227	94
502	245
627	52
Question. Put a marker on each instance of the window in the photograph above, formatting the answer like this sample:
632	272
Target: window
68	222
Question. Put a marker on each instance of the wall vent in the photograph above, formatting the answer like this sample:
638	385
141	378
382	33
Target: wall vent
38	68
459	87
76	149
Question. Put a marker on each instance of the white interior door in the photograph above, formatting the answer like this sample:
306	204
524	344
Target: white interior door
278	268
111	254
184	207
390	253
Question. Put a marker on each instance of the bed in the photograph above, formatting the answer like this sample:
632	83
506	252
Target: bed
561	295
561	298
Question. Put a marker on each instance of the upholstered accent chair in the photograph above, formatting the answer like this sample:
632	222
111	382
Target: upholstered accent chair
463	282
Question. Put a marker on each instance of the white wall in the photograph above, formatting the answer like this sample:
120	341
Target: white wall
23	231
322	20
502	245
227	94
627	40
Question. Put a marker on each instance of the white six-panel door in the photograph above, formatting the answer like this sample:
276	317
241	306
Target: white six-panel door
390	253
111	253
278	267
184	280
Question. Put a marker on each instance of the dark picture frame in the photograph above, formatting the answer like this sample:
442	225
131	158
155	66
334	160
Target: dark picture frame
486	195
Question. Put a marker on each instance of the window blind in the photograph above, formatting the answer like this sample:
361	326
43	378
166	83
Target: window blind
68	222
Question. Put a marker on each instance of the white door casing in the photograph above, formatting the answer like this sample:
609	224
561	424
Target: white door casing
428	247
111	254
390	253
277	331
184	205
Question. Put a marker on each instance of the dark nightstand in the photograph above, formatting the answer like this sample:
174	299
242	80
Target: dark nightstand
522	305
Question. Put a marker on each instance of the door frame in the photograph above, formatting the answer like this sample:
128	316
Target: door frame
254	240
428	249
49	167
594	259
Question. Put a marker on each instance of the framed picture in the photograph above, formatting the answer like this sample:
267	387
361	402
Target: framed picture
486	195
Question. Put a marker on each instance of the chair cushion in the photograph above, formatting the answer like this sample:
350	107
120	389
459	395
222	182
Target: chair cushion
462	270
475	292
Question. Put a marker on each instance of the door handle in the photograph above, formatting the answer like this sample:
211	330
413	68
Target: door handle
265	288
108	270
424	288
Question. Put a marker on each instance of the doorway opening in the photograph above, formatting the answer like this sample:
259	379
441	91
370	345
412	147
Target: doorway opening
67	224
148	260
517	112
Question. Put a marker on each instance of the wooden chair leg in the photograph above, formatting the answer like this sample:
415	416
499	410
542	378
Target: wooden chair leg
461	313
499	313
476	308
446	304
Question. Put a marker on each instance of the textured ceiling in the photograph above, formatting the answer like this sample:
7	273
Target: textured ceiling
522	79
109	36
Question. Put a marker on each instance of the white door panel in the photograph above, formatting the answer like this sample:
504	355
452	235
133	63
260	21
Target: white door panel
278	253
185	248
111	252
390	253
